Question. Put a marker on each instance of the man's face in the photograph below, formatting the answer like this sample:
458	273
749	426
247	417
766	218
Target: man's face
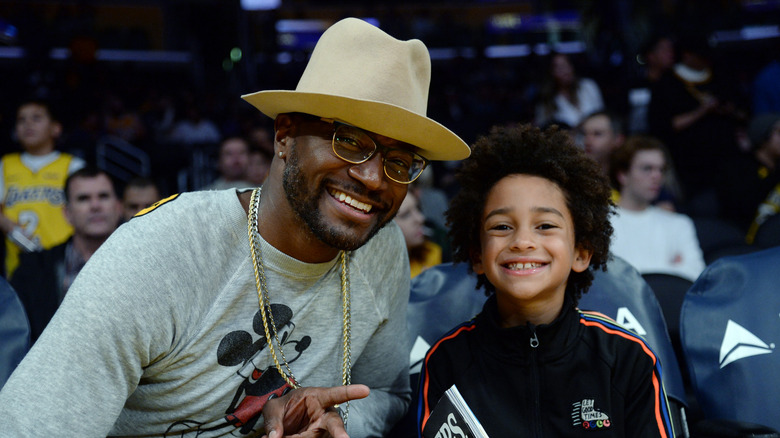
644	179
138	198
233	159
342	204
92	208
36	129
599	138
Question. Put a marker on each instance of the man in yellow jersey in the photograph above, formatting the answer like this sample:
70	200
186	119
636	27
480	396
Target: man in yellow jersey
31	184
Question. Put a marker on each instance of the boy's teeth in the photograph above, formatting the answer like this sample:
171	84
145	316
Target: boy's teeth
343	197
524	265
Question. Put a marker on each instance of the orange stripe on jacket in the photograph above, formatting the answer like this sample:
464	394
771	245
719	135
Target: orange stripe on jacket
426	406
656	383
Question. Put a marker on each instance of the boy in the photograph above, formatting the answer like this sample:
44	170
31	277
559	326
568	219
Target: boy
31	183
531	219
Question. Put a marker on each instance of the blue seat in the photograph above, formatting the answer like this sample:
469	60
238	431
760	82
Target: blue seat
729	330
14	331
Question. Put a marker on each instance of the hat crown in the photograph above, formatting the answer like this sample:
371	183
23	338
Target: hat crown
358	60
360	75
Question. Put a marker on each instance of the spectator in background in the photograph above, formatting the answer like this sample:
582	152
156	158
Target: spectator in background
656	57
423	253
565	97
766	85
602	133
652	239
43	277
258	166
31	185
121	121
232	165
692	112
139	193
750	189
193	128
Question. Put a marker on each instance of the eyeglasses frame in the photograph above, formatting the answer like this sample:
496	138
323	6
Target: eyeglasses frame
377	147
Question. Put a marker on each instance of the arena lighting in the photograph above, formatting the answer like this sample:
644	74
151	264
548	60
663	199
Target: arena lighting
260	5
61	53
747	33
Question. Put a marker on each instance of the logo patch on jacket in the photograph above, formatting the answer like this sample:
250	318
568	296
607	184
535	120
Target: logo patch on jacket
586	416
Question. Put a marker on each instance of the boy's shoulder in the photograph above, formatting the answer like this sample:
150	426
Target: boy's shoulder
612	338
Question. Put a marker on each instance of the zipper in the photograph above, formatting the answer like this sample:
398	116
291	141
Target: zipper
535	383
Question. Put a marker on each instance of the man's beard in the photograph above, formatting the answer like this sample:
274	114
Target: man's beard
305	204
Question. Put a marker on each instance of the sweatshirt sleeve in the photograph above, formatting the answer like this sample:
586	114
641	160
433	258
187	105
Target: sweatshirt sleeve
91	356
384	363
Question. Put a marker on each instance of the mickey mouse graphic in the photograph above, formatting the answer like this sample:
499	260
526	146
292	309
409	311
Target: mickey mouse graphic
259	385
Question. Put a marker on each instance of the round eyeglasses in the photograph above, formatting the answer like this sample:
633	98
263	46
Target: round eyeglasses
355	146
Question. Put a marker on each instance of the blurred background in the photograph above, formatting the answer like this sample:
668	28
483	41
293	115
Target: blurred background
122	74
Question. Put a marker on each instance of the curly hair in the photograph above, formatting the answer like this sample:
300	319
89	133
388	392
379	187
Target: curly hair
549	154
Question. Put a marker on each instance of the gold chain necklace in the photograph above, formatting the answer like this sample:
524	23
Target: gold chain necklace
265	306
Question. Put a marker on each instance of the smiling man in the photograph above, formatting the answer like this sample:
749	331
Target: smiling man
244	312
92	208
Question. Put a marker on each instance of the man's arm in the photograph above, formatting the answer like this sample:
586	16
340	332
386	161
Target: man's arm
90	358
384	363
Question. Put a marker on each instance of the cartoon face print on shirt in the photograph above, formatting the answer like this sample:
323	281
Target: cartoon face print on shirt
261	382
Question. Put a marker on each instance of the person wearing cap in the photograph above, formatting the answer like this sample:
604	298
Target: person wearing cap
752	179
278	310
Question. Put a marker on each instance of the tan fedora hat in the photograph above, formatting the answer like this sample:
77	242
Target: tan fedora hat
362	76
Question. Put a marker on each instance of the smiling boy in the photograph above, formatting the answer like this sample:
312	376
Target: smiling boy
532	222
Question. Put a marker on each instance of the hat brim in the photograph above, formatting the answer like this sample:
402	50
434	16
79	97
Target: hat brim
434	141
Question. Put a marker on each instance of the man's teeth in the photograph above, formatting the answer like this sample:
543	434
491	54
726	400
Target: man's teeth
343	197
515	266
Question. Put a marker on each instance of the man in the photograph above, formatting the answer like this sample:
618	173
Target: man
652	239
31	185
92	208
140	193
692	111
656	57
163	333
602	133
232	165
750	190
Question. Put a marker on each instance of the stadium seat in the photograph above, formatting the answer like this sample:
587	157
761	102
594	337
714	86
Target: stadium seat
670	291
14	331
719	238
729	329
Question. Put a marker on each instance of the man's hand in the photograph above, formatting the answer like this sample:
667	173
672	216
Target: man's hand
309	412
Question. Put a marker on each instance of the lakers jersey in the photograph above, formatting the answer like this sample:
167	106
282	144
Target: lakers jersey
35	201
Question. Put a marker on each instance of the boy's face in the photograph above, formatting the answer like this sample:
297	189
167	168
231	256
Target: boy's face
36	129
527	248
